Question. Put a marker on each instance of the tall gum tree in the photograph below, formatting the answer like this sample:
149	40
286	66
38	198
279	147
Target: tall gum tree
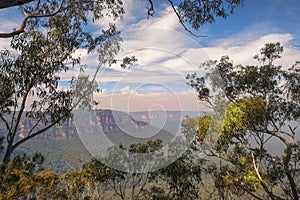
263	107
30	73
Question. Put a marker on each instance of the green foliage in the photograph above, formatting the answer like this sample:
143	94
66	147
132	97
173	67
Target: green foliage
120	181
75	14
61	155
44	49
245	115
182	178
262	102
156	193
74	184
21	178
198	13
41	54
203	127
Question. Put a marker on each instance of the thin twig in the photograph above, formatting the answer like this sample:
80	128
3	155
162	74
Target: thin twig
182	22
150	11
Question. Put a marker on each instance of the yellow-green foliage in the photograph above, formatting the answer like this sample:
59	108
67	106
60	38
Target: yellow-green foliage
47	184
75	181
242	116
235	119
247	114
19	184
251	178
203	126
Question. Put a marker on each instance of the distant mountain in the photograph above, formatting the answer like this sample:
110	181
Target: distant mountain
66	130
110	122
166	115
63	145
116	127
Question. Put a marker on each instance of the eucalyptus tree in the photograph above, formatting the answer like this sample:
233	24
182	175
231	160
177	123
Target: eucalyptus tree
189	12
128	183
263	108
31	72
45	45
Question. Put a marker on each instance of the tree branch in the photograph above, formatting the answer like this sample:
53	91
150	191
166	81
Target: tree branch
251	193
35	125
5	122
150	11
143	184
29	15
36	133
262	181
13	131
278	135
182	22
14	112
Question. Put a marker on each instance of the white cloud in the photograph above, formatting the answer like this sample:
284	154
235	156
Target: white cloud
243	53
5	43
165	19
134	10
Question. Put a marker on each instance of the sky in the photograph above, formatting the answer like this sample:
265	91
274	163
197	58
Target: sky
166	52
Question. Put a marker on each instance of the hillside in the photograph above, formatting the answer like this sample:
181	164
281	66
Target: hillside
64	150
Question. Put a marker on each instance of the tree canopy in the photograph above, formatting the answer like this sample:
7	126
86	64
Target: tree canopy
263	107
194	13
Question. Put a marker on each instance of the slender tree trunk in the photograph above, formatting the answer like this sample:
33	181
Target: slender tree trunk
287	158
7	154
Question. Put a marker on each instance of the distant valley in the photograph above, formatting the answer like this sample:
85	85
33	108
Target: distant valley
62	145
109	122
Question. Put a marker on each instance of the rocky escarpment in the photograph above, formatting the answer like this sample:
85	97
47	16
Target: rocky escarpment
109	121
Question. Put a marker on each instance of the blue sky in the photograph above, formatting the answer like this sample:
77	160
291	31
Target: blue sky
261	17
166	53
